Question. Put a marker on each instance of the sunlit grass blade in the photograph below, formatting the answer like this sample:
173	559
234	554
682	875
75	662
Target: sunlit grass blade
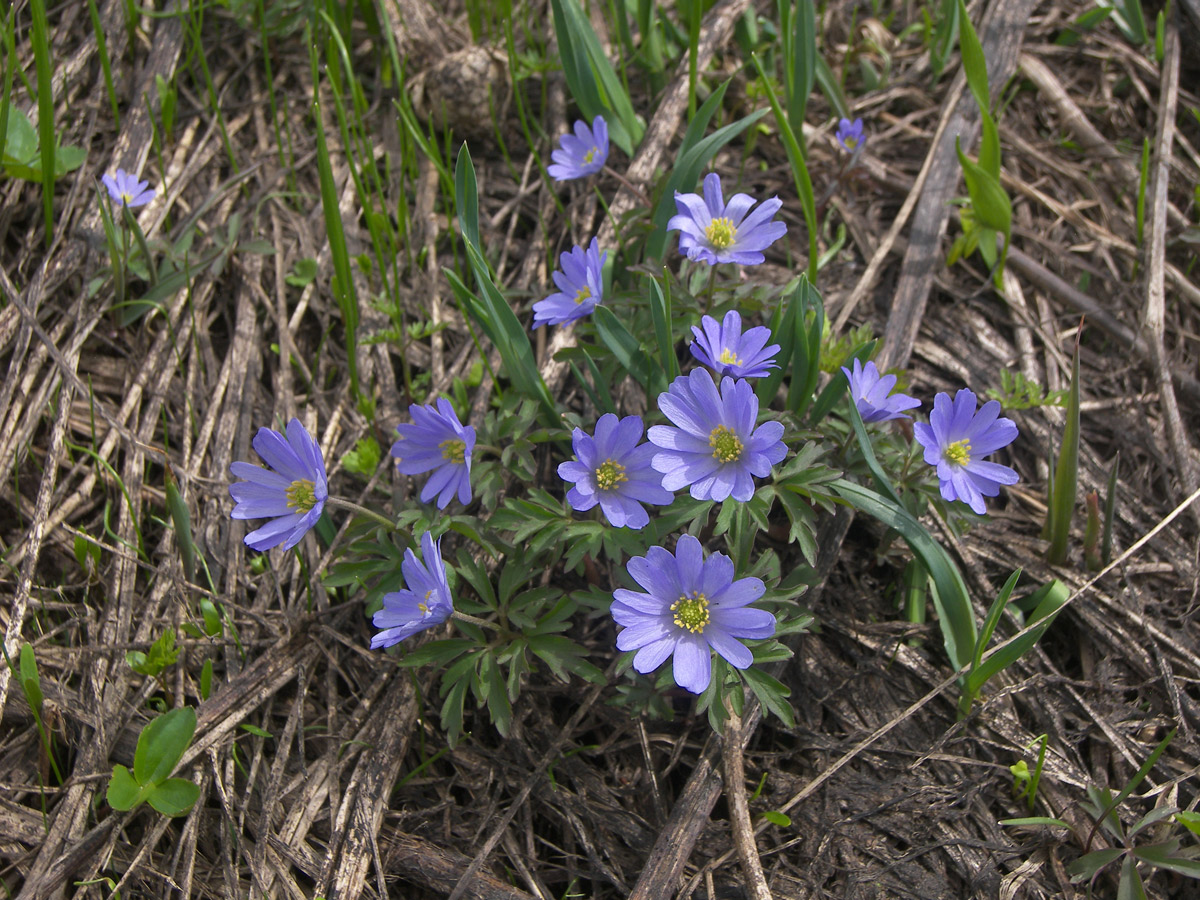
181	518
806	346
40	37
489	308
1066	476
591	78
660	312
956	616
105	64
804	188
798	32
344	292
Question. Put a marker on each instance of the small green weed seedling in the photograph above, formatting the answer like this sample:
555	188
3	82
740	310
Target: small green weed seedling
160	746
1164	850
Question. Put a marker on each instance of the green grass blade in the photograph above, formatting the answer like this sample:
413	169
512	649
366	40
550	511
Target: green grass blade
489	308
1049	599
343	281
627	349
591	78
804	188
1066	476
40	36
956	616
660	312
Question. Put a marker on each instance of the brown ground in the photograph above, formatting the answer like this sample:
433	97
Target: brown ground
355	794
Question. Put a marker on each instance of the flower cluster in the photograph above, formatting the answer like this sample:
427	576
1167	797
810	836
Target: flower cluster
711	442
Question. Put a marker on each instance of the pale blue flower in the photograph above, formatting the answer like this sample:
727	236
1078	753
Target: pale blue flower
580	287
872	394
713	231
726	350
291	493
126	190
691	607
956	440
612	469
850	134
423	603
714	447
582	153
437	440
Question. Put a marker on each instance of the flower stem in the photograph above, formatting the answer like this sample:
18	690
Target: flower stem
362	511
481	623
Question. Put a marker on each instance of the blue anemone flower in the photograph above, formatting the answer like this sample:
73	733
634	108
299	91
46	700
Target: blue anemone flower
291	493
691	607
582	153
872	394
580	287
850	134
726	350
713	231
424	602
956	440
714	446
125	189
437	440
613	470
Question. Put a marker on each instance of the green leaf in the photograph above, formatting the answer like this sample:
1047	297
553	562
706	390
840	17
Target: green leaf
974	63
181	518
31	681
123	792
660	313
1130	886
162	743
627	349
591	78
490	309
212	618
774	816
174	797
1066	476
1049	599
364	458
956	616
990	205
256	731
206	676
1036	820
303	273
771	693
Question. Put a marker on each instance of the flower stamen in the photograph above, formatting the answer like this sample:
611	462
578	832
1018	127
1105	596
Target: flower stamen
691	612
726	446
453	450
958	453
721	233
729	358
584	293
301	495
610	474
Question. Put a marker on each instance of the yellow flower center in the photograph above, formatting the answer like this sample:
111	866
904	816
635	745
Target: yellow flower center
958	453
850	141
609	474
726	446
422	605
453	450
584	293
728	358
720	233
301	495
591	154
691	612
126	198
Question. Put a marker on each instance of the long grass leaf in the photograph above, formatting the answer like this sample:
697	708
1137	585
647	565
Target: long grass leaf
1066	475
40	36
